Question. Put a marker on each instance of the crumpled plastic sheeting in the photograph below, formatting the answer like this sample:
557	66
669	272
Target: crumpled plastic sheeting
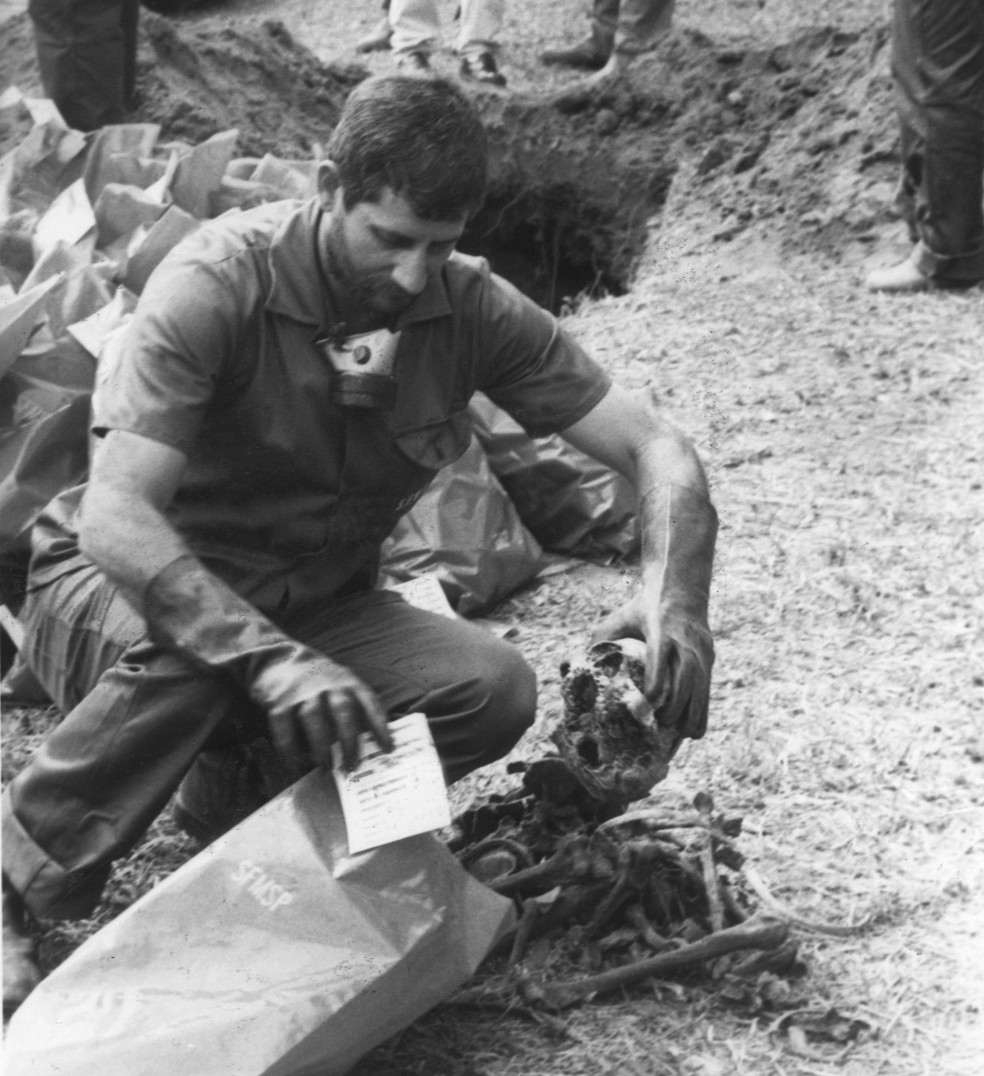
466	532
570	502
271	953
85	220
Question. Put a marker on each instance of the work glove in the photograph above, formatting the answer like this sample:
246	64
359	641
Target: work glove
679	527
310	700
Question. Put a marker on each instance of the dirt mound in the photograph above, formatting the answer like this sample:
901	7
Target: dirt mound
800	134
797	140
196	81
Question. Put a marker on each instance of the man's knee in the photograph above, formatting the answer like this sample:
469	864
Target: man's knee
512	702
482	717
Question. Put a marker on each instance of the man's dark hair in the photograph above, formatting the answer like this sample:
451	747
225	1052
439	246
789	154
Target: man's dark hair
422	137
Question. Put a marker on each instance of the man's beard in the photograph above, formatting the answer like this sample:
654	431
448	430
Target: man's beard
372	294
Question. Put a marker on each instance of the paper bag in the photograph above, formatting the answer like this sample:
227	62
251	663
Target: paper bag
43	448
271	952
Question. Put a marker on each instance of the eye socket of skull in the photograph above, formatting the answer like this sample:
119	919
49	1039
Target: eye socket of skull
587	749
606	656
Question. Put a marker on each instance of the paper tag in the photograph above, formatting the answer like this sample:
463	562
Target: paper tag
396	795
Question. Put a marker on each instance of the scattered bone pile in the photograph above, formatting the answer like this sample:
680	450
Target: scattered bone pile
622	896
625	896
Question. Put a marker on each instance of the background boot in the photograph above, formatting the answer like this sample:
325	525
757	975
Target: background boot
585	55
904	277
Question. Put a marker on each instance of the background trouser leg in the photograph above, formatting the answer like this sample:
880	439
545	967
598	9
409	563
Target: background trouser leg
941	197
87	57
416	25
481	21
629	26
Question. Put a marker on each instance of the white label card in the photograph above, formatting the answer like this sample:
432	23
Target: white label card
396	795
425	592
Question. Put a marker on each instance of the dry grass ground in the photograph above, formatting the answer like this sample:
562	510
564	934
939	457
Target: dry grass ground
843	436
843	439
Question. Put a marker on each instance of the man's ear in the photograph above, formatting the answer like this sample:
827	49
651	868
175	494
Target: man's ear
329	184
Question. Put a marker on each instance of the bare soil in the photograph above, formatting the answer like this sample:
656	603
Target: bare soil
706	226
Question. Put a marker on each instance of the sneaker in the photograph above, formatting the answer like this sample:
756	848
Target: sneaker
377	39
482	68
904	277
415	63
582	55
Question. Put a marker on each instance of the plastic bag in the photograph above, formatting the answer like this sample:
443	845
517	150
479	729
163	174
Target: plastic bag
43	450
466	531
569	501
271	952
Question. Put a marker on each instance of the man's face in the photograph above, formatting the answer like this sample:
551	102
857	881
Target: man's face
380	254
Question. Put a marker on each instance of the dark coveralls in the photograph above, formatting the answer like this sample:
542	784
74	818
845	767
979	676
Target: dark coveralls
286	497
938	64
87	54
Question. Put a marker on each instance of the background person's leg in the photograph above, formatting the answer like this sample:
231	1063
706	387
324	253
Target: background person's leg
938	65
481	21
638	24
949	218
416	26
87	57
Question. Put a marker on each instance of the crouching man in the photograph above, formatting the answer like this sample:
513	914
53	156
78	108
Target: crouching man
291	380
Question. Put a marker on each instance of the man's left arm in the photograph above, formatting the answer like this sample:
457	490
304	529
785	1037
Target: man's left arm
679	526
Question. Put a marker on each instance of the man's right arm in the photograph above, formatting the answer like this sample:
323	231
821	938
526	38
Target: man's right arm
123	528
310	700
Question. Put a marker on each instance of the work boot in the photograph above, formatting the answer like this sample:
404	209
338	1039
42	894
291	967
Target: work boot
481	67
21	973
378	37
904	277
415	63
584	54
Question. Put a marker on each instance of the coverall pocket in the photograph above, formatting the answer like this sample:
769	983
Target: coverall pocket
434	445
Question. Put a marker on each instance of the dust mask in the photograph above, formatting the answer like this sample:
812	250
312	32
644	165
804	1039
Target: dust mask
362	369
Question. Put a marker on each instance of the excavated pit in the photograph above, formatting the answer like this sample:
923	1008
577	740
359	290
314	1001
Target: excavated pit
558	245
540	244
560	222
576	186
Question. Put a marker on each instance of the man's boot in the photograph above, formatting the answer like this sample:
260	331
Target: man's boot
21	973
586	54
